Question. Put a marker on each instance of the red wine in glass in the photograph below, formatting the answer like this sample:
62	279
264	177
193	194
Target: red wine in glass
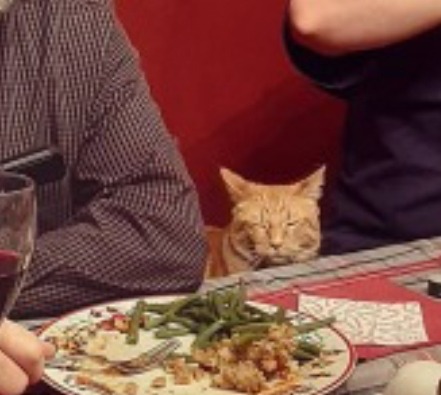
11	274
17	233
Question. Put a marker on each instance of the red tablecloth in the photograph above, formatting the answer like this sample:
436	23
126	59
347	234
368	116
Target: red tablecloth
373	288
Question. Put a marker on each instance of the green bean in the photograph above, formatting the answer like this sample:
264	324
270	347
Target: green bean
233	298
174	308
252	327
309	347
200	314
157	308
246	316
219	306
280	315
242	295
237	303
153	323
314	325
210	303
234	323
166	332
185	322
181	303
136	320
302	355
202	328
244	339
230	313
226	297
256	312
203	339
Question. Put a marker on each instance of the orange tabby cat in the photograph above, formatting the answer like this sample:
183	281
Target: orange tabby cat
271	225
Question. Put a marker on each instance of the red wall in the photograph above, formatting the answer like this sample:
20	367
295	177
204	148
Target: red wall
218	70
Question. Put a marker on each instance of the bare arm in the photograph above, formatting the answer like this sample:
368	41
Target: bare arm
336	27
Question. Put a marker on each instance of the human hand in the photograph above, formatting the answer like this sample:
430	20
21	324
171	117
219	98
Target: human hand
22	357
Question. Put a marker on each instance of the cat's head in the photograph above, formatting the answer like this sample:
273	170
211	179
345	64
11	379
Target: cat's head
275	224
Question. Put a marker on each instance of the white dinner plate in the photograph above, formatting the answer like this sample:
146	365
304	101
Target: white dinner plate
318	381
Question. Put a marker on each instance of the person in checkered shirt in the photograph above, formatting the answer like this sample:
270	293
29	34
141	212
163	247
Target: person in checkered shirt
125	219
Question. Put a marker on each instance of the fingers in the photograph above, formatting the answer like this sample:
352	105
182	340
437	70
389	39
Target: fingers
13	380
48	350
24	349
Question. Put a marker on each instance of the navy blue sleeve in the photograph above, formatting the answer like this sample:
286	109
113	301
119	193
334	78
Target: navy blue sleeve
340	76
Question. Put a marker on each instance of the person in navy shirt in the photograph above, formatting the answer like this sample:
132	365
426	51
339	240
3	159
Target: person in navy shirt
382	57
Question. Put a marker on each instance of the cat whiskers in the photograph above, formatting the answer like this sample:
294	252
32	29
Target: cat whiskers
256	259
256	262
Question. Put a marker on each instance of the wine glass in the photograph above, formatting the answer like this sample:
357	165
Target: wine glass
17	234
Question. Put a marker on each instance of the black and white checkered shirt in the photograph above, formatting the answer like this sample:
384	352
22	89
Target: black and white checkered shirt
125	220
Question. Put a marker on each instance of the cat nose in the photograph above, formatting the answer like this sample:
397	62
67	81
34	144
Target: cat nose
275	237
275	243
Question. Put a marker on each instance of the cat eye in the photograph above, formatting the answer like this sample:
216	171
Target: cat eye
306	244
292	224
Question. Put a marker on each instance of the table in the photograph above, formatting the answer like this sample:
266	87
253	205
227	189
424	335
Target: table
369	377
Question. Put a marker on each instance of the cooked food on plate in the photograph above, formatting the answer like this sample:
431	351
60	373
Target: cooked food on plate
217	340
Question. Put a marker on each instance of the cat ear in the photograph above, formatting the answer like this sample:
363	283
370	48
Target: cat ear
237	186
312	186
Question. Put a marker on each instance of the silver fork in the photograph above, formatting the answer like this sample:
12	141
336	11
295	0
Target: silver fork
146	361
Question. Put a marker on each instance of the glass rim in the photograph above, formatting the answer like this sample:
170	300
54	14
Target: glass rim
28	183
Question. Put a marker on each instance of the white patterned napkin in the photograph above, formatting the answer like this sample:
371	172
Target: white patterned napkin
370	322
